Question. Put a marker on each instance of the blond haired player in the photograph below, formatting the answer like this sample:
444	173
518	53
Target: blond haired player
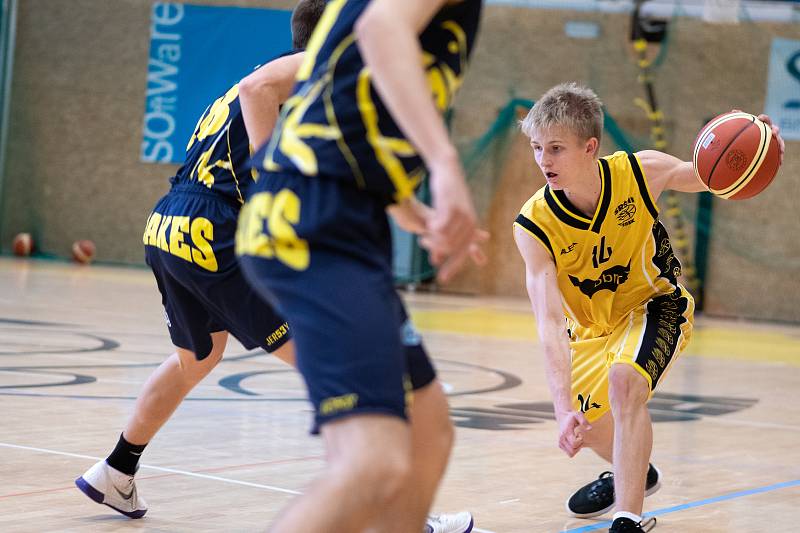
596	253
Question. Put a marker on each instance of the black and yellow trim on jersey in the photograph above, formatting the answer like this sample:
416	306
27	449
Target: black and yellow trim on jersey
564	210
571	215
535	231
644	190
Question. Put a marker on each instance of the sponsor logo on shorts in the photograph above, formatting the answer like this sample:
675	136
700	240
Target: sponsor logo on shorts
278	334
587	404
166	319
338	404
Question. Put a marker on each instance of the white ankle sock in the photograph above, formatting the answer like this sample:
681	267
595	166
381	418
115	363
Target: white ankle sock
623	514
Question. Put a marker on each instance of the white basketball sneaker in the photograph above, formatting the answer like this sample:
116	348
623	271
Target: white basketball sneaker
109	486
450	523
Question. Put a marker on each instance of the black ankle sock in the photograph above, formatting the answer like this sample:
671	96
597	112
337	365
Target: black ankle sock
125	456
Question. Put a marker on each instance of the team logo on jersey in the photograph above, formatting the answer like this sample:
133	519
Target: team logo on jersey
585	403
625	212
609	280
569	248
601	253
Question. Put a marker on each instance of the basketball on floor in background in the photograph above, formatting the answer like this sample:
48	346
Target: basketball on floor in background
83	251
736	155
22	246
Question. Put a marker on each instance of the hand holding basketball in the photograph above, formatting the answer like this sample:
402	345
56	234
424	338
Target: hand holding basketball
737	155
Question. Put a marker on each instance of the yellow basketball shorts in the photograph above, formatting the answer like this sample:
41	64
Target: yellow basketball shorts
650	340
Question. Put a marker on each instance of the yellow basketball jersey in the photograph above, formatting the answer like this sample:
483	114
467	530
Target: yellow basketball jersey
612	262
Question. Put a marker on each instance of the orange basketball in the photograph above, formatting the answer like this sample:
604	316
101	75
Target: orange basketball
83	251
736	156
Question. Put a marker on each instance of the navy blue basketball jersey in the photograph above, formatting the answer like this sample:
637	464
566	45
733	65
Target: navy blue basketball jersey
218	153
336	126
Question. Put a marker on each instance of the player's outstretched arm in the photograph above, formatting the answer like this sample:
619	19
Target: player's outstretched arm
666	172
262	92
540	280
387	36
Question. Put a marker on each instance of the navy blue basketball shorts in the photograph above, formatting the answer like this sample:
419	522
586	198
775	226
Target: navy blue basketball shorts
189	241
322	250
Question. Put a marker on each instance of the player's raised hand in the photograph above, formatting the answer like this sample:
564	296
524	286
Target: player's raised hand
776	131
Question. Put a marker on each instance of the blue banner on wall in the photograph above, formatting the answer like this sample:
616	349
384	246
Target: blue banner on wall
783	87
196	53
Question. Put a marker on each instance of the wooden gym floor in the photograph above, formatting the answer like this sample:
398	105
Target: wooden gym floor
78	342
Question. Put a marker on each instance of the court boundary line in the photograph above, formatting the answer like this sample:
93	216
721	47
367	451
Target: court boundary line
698	503
160	469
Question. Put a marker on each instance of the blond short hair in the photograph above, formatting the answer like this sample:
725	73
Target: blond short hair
569	105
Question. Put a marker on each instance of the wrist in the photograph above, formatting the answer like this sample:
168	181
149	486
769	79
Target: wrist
562	407
443	157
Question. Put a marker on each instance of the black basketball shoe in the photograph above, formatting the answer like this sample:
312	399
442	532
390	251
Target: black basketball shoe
626	525
597	497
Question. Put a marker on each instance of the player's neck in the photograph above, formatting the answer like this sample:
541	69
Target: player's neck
585	194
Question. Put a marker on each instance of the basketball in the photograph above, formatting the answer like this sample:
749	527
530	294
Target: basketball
736	155
83	251
22	245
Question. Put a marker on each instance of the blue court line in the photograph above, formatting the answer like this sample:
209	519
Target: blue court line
699	503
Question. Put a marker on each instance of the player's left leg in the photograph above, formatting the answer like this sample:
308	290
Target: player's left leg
432	439
656	336
638	352
111	481
633	436
166	388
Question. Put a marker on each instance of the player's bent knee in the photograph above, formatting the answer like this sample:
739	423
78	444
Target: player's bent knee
626	387
430	415
195	370
379	474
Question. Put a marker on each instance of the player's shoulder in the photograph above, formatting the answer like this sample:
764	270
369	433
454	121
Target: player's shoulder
531	207
620	160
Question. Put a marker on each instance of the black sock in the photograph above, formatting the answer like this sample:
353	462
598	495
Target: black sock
125	456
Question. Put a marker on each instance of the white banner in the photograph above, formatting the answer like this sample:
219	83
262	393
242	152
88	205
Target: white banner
783	87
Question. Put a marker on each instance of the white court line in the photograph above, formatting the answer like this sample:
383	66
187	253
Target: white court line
180	472
160	469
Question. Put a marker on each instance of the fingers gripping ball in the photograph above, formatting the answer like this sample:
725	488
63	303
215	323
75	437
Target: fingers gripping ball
22	245
83	251
736	155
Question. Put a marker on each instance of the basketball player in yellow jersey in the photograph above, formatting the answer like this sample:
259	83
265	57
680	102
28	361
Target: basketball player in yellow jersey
596	253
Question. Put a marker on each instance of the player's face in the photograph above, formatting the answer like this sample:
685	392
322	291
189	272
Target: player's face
561	155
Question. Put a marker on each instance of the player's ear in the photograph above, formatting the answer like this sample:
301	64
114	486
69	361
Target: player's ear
591	146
